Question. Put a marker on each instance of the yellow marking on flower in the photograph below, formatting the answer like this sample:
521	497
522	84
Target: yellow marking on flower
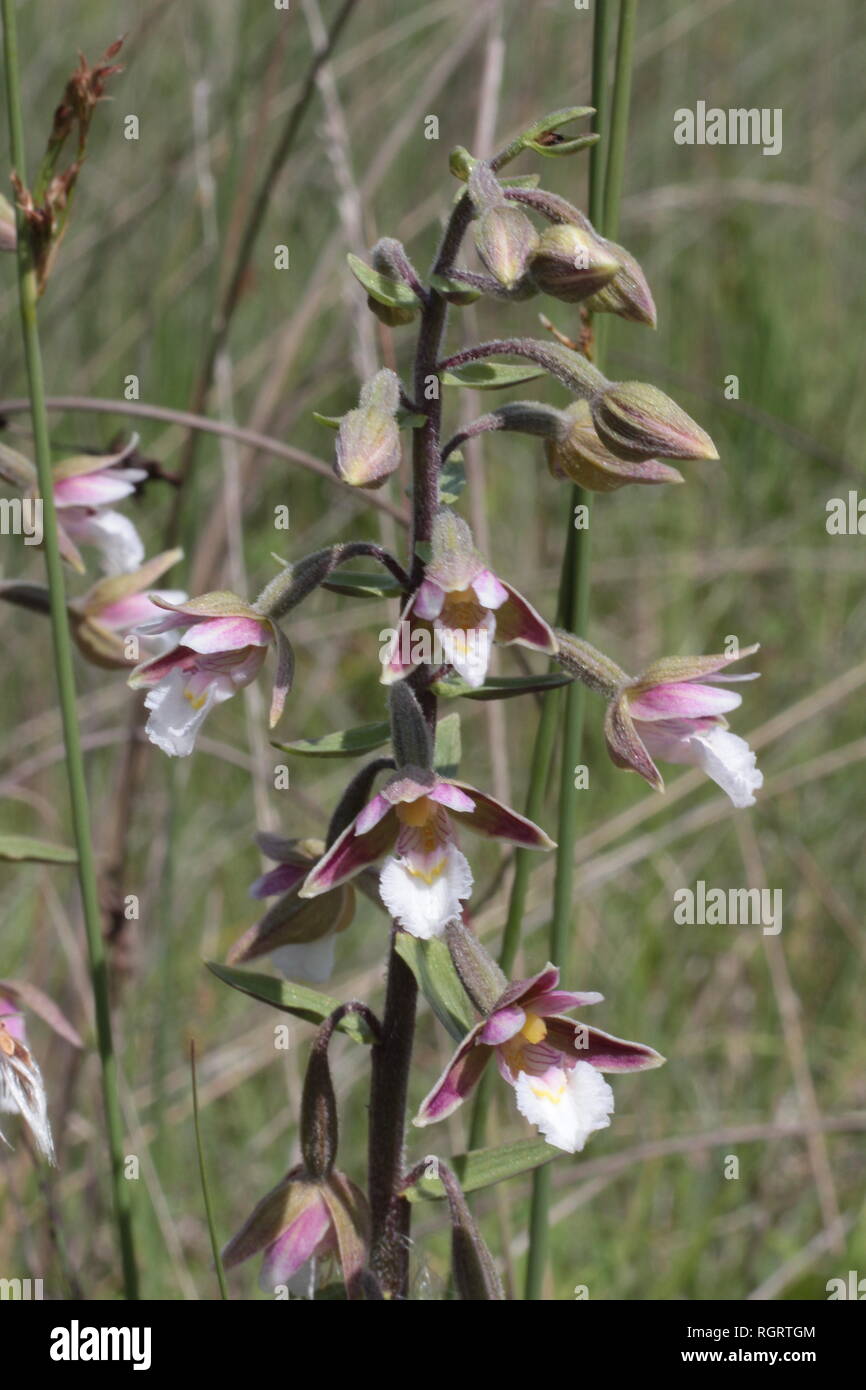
428	875
195	700
545	1093
415	813
534	1029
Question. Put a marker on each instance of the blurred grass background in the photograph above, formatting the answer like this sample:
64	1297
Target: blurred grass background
757	268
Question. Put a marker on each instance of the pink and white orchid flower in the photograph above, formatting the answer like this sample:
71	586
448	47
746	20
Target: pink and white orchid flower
553	1064
84	487
466	606
670	713
221	650
425	878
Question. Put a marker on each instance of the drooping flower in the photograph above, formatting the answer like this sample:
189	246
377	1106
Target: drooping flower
221	650
298	934
553	1064
465	607
412	820
22	1090
113	608
84	488
301	1222
670	713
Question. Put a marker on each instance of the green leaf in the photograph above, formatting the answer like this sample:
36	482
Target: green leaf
291	999
358	585
500	687
345	743
431	964
483	1167
446	753
452	479
455	291
333	422
490	376
24	847
393	293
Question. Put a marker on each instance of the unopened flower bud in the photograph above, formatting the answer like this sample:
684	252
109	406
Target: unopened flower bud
368	443
505	239
571	263
637	421
577	453
628	294
479	974
410	733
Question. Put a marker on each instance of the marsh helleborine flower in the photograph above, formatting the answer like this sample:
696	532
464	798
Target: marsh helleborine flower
412	819
467	608
114	607
552	1063
298	934
84	488
670	712
22	1090
221	650
300	1221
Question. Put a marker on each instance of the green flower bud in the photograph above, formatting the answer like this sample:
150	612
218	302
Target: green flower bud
368	442
570	263
637	421
577	453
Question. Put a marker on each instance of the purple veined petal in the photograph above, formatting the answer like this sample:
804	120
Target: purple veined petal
490	817
428	600
280	880
454	798
624	743
517	621
603	1050
297	1244
151	672
371	814
502	1025
457	1080
214	635
525	992
133	611
489	590
682	700
557	1001
351	852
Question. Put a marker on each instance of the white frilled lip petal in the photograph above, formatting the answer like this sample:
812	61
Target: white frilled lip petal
468	651
565	1106
112	534
424	905
722	755
174	723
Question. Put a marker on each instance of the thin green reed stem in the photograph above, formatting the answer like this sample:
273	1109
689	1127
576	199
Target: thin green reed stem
606	200
202	1172
66	679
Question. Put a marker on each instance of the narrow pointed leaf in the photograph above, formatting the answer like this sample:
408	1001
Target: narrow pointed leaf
490	376
345	743
393	293
357	585
290	998
430	963
484	1167
25	847
446	752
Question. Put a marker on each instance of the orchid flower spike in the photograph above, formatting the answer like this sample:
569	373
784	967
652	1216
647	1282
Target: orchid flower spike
413	820
552	1063
299	935
467	608
221	650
